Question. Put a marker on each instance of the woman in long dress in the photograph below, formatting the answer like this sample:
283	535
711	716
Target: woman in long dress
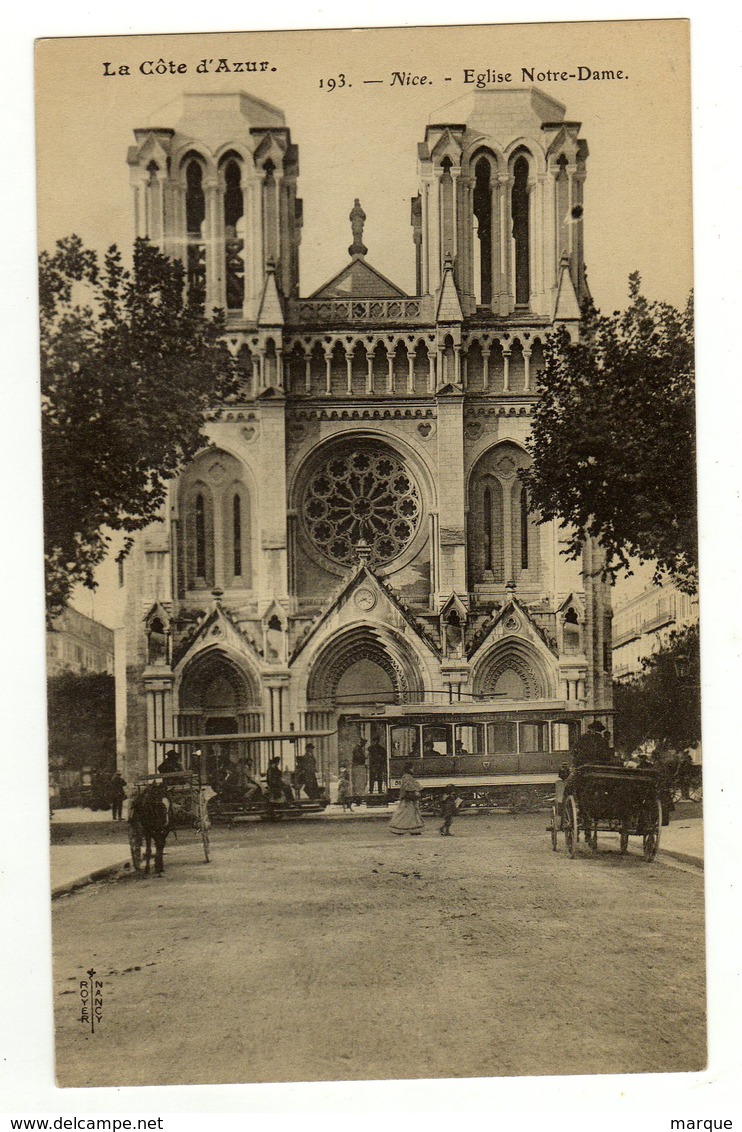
407	817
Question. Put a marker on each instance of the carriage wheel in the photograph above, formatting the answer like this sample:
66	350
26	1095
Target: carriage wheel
569	822
554	819
135	845
652	835
624	836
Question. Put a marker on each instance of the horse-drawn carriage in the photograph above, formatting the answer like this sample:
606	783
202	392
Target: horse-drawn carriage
162	803
603	798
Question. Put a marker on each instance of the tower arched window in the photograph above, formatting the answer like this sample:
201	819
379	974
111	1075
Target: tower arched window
482	206
234	243
523	529
215	524
237	536
487	525
195	207
502	534
200	537
448	219
521	233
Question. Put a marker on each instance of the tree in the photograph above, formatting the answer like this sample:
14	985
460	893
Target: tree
129	369
82	725
663	704
613	437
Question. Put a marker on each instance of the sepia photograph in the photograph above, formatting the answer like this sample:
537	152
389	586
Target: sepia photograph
368	427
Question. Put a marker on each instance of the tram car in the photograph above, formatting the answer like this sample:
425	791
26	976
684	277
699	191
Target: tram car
494	756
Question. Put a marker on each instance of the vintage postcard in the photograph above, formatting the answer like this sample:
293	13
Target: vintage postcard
367	367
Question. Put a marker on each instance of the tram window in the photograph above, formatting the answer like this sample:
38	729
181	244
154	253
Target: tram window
469	739
564	736
534	736
437	739
502	738
404	742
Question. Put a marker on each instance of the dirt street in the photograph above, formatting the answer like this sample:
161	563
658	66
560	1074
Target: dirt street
332	950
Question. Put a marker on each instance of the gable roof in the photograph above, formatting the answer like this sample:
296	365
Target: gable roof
490	629
216	628
363	574
359	280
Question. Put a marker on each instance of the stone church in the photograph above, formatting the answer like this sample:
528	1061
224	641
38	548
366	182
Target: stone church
357	533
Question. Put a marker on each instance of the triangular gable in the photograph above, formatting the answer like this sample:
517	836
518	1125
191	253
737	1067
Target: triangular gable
359	280
383	600
216	628
499	628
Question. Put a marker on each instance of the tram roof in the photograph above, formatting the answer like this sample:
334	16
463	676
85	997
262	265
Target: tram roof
244	736
493	709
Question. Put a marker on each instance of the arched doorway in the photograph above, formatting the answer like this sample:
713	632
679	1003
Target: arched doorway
364	666
218	697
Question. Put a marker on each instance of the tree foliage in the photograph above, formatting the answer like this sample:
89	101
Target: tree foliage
613	437
128	371
82	724
663	704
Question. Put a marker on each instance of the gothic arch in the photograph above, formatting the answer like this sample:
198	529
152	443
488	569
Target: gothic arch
513	662
364	642
214	681
503	537
216	498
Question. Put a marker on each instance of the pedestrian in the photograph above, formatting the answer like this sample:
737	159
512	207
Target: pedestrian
685	774
449	806
359	770
311	785
345	790
407	817
377	766
171	763
118	793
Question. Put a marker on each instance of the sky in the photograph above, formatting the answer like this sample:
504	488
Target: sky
360	140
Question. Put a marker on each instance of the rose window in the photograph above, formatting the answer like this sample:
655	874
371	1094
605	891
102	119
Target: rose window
356	495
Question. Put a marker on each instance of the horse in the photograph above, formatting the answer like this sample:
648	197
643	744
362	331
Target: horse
150	817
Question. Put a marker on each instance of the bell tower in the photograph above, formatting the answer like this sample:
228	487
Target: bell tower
217	190
501	195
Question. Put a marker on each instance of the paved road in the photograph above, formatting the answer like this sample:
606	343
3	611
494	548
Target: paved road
315	950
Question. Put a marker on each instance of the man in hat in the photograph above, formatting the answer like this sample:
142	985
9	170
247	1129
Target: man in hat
592	747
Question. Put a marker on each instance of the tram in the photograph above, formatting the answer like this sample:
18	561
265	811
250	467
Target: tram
495	755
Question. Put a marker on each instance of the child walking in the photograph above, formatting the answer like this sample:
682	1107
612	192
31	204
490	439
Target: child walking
449	806
345	790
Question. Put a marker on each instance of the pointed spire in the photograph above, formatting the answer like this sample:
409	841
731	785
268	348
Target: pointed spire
357	219
271	311
567	305
449	307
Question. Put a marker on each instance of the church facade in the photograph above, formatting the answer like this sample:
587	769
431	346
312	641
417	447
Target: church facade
357	531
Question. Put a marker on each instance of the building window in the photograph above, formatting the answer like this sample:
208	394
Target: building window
523	529
483	232
364	492
234	244
195	201
214	533
237	536
502	534
521	234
